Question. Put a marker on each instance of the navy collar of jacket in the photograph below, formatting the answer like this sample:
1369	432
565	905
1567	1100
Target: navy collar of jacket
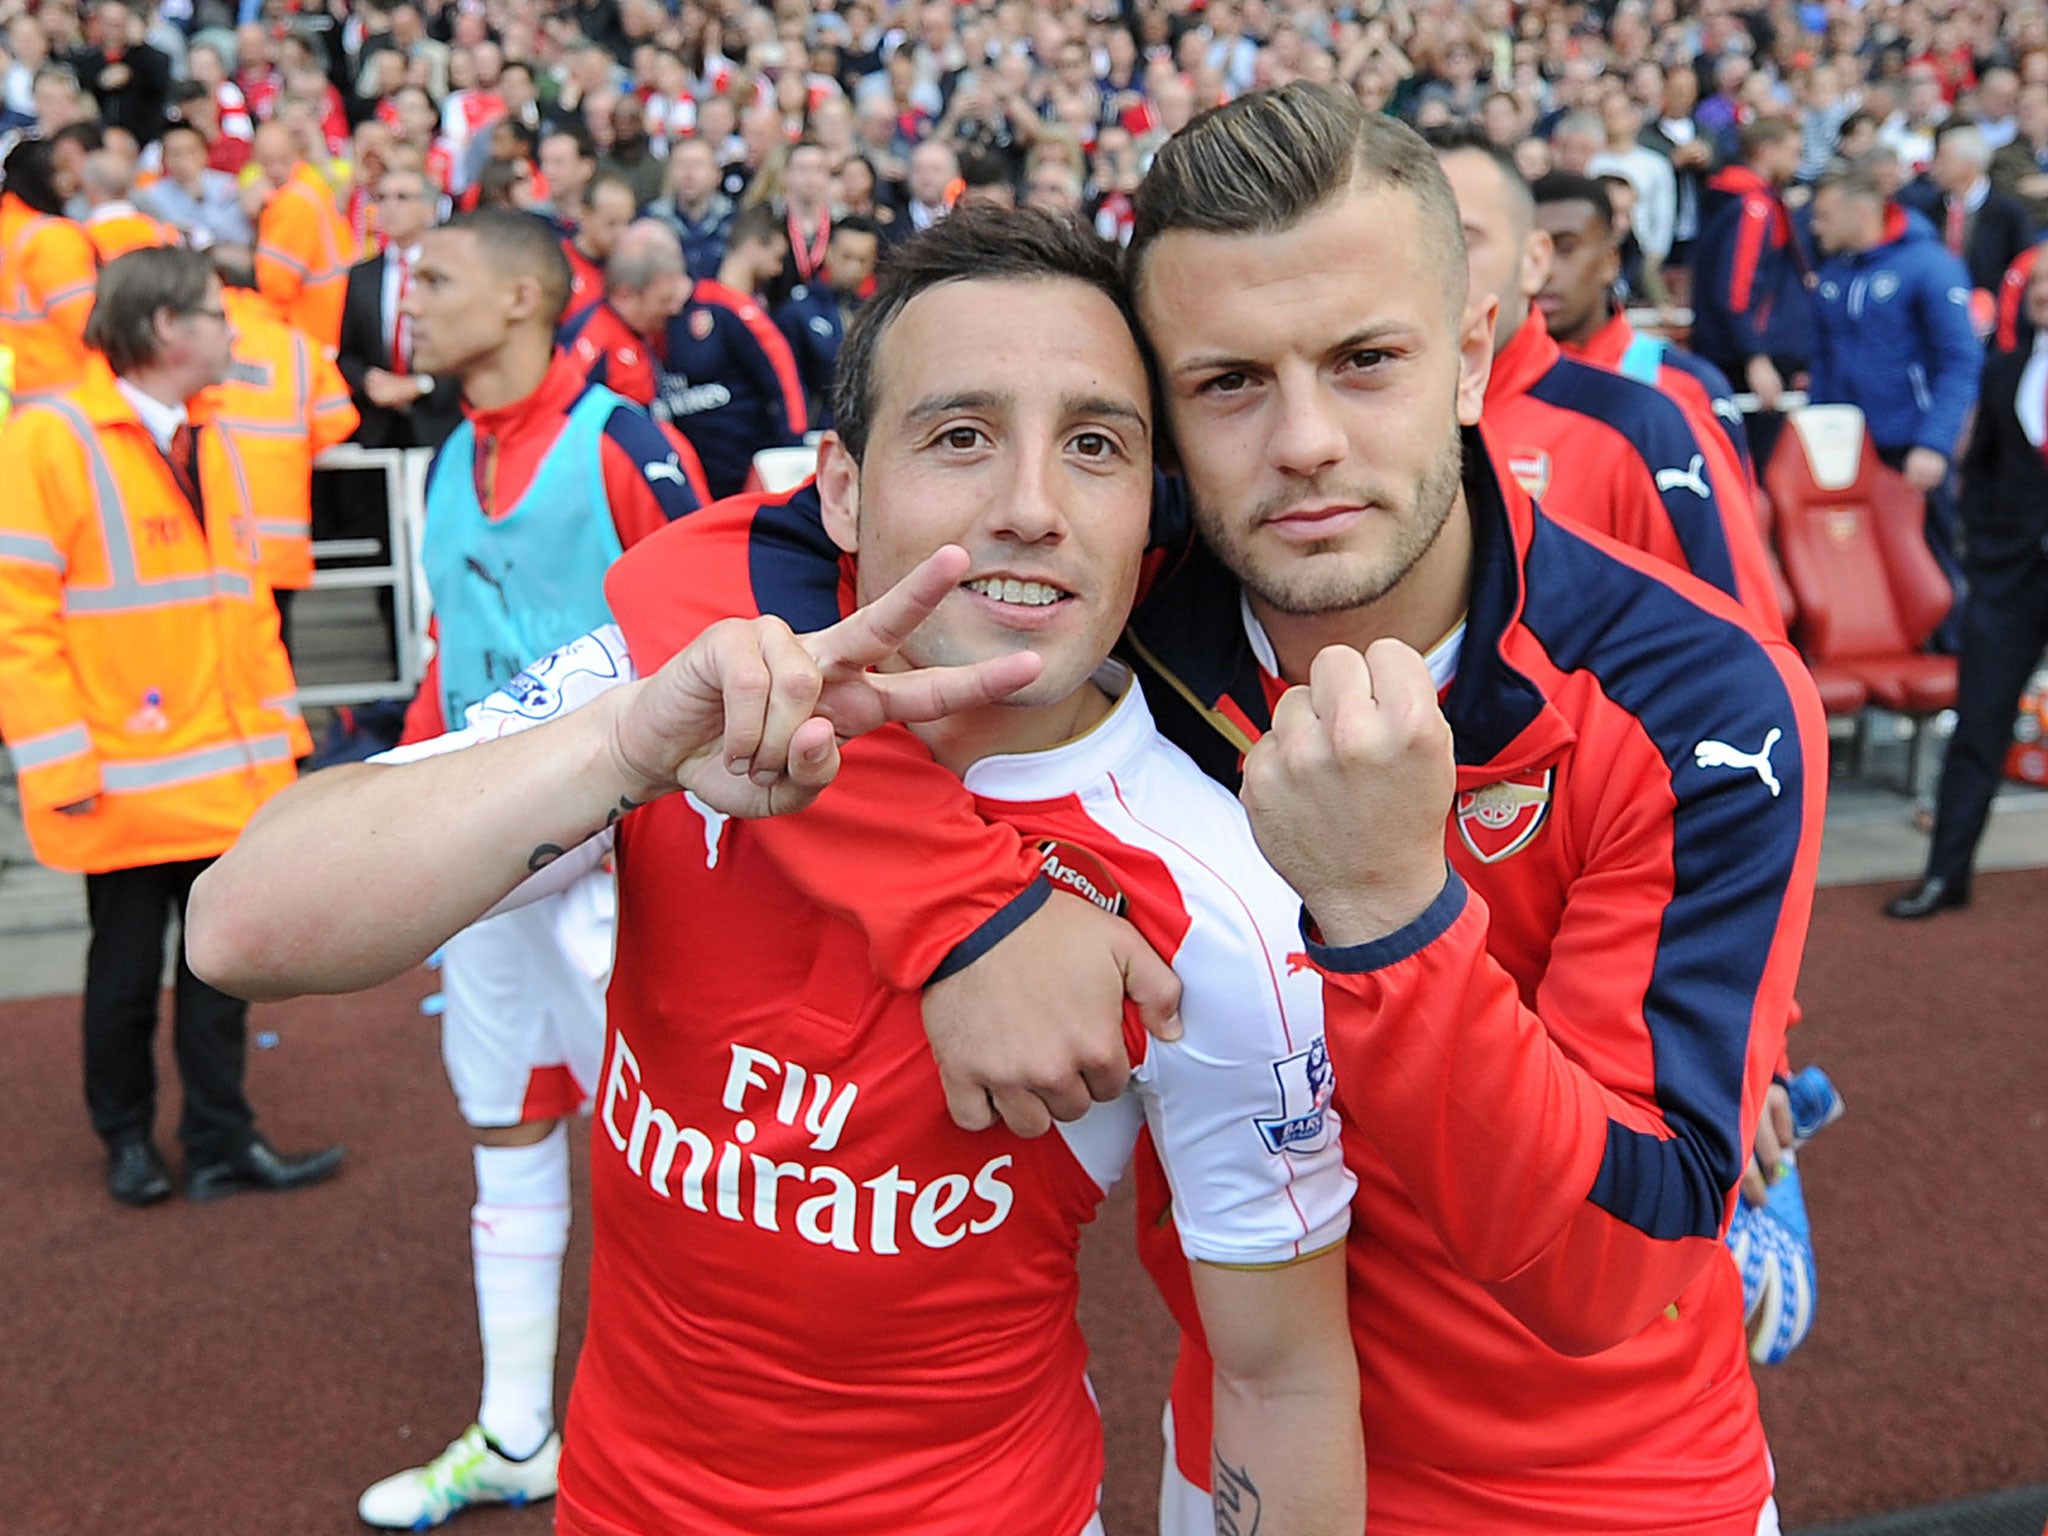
1187	636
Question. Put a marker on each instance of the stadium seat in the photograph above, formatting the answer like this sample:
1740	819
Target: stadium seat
1851	534
782	469
1840	692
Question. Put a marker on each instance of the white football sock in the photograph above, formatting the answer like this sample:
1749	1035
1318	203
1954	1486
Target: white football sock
518	1232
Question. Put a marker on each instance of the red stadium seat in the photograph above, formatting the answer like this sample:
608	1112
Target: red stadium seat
1841	693
1851	535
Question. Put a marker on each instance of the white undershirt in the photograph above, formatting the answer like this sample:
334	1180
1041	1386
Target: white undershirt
1442	658
2031	404
160	421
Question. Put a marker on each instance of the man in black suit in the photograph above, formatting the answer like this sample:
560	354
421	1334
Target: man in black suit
2005	614
1984	226
400	408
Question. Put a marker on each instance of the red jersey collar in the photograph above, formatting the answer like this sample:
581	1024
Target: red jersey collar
558	390
1518	365
1604	348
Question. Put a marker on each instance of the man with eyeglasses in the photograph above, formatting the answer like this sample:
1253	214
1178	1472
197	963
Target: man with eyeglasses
147	701
401	406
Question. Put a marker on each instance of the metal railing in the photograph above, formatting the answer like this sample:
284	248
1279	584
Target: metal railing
405	497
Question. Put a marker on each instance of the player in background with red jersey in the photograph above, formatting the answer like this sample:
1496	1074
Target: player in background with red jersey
995	393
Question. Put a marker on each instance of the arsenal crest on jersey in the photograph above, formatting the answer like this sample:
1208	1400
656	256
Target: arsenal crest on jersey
1502	818
701	321
1531	469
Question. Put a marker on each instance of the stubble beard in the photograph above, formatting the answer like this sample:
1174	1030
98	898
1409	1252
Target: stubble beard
1322	578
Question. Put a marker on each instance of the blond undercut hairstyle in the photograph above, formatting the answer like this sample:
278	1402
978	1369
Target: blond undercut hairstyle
1268	160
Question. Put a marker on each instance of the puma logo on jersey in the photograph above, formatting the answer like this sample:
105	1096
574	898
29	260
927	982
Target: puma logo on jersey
1685	479
714	828
1718	754
669	469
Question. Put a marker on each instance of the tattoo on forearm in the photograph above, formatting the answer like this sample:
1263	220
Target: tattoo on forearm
1236	1500
547	853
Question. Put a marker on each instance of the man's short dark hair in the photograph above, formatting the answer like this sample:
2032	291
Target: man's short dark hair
185	91
577	134
1465	137
1754	138
1564	187
90	137
975	243
856	224
753	225
1271	159
133	290
978	170
522	244
1854	123
512	125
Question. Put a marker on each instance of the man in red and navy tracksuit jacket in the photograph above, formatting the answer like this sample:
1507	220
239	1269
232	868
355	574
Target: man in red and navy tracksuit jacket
729	381
1609	453
1752	299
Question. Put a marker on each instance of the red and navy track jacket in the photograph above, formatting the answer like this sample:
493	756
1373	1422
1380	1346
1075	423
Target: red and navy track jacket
1551	1080
1701	390
1750	294
1620	457
729	381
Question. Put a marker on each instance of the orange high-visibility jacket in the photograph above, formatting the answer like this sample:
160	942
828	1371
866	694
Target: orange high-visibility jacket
119	228
47	277
283	405
140	664
302	256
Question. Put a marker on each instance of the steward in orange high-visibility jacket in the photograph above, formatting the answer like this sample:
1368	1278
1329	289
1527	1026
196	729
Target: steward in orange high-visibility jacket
140	665
303	250
47	273
147	702
283	404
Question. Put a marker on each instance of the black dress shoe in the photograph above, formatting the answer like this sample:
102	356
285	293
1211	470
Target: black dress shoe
261	1166
136	1174
1927	898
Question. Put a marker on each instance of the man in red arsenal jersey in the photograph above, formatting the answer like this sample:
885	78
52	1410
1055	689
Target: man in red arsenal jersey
1553	806
770	1106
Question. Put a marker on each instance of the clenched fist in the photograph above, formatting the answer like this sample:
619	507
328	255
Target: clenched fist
1350	790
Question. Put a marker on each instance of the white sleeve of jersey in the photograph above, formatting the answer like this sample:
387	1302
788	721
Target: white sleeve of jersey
558	683
1240	1106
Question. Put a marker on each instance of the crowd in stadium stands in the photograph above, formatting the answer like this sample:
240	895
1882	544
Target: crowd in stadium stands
1836	198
